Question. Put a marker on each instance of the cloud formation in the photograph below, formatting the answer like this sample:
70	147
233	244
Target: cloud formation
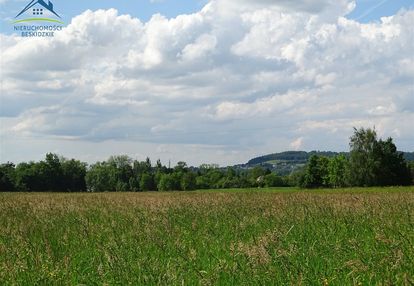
265	77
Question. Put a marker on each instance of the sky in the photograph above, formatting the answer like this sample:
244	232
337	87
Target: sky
218	81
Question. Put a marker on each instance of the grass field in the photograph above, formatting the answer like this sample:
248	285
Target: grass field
249	237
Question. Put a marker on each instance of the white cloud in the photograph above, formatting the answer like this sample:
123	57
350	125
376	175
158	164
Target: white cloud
203	45
261	107
297	144
265	77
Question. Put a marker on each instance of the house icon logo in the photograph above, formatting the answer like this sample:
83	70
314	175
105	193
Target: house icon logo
38	10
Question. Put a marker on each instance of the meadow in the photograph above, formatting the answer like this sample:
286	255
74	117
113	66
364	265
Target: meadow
232	237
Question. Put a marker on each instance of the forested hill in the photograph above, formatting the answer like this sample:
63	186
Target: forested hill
286	162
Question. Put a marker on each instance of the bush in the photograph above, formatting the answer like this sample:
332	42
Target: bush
168	182
273	180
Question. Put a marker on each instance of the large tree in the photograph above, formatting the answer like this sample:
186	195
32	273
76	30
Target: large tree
337	171
74	173
362	162
392	170
375	162
316	173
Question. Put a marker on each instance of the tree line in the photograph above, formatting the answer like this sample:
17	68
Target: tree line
371	162
122	174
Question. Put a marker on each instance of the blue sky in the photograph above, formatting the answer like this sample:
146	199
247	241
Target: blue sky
221	81
140	8
366	10
143	9
372	10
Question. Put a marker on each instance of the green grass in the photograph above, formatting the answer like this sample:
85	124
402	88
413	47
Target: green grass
236	237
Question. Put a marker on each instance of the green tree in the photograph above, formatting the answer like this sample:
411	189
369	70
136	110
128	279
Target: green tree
230	179
411	165
124	172
209	177
256	176
146	183
102	177
297	178
159	171
391	168
52	173
362	163
337	171
7	177
188	181
316	173
140	168
44	176
202	182
134	184
181	167
26	179
74	173
375	162
167	183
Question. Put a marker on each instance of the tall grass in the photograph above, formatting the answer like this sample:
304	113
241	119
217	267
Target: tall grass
208	238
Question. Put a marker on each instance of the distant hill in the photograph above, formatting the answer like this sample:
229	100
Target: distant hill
286	162
296	156
409	156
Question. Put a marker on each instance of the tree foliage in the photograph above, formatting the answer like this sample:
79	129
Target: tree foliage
371	162
375	162
337	168
7	177
411	166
